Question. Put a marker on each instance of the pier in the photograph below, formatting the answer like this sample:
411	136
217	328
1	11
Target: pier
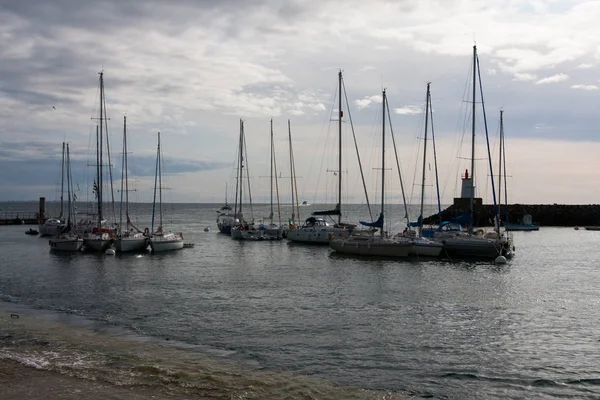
25	217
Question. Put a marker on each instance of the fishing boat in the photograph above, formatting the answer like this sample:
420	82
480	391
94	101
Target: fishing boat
50	226
128	237
369	243
161	241
100	237
308	232
66	239
478	244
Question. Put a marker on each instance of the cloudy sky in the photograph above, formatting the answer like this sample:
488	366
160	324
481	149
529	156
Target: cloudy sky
190	69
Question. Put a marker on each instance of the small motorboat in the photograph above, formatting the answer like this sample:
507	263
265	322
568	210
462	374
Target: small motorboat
31	232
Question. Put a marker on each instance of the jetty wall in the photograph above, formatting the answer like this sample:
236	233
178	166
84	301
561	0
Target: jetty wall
542	214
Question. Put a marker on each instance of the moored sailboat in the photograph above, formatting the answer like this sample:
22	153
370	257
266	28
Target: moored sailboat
51	226
160	240
129	237
368	243
66	239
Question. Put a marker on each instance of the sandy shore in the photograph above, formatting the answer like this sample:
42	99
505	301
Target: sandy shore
18	382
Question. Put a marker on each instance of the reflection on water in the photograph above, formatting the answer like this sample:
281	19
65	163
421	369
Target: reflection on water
447	329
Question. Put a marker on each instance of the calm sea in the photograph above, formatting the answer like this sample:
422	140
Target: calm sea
254	320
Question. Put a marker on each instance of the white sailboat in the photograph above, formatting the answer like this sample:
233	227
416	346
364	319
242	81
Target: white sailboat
100	237
160	240
316	229
368	243
51	226
476	244
129	237
66	239
422	246
271	228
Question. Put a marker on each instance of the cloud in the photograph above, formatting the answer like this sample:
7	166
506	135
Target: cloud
408	110
366	101
553	79
585	66
585	87
523	77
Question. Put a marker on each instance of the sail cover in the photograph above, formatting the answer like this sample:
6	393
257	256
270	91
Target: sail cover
418	223
335	211
376	224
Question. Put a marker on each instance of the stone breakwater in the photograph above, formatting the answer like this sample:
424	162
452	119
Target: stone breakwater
542	214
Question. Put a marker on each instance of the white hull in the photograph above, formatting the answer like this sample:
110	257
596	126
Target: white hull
167	242
126	244
97	242
321	235
372	246
71	244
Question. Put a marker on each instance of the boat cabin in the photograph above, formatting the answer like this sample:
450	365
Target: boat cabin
314	222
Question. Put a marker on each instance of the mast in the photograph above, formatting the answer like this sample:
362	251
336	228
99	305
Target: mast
500	167
291	170
272	154
155	182
126	170
160	185
100	166
473	140
123	168
437	180
62	180
241	175
424	160
341	114
68	187
504	162
276	181
384	101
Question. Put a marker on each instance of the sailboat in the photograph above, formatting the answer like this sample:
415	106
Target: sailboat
526	223
371	244
316	229
66	239
129	237
100	237
51	226
160	240
422	246
225	219
476	244
271	228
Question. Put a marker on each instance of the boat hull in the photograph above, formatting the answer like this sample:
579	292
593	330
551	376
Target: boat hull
97	243
169	242
372	247
314	235
520	227
66	244
126	244
474	248
224	228
426	248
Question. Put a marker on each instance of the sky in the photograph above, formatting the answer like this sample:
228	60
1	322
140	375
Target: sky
191	69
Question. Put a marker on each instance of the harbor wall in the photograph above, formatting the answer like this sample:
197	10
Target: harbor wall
542	214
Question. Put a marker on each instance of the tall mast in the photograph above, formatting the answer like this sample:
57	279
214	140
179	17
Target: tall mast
341	114
62	180
241	176
123	168
473	140
424	160
126	169
160	184
291	170
504	161
271	215
68	187
500	167
383	103
276	181
155	182
100	166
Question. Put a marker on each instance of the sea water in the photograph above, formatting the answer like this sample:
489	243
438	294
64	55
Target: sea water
234	319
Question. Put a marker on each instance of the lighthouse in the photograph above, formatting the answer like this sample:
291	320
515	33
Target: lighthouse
466	191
